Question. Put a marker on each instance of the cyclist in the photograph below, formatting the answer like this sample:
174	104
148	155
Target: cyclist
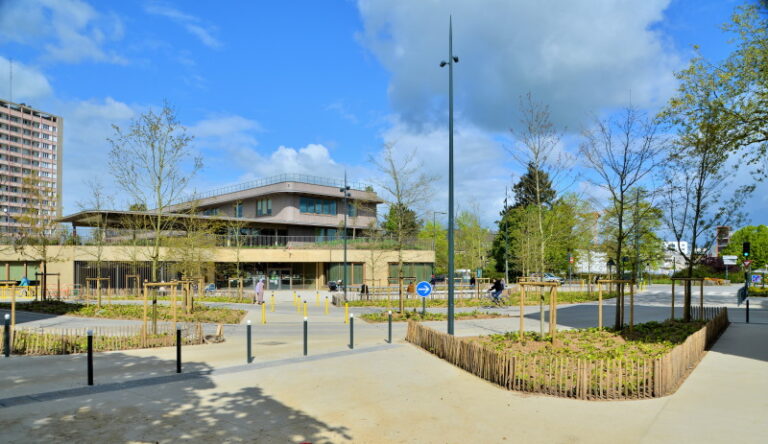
496	289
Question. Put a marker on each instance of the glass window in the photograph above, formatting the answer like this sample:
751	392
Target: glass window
351	210
239	209
326	207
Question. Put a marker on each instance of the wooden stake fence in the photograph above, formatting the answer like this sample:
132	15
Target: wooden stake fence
34	341
607	379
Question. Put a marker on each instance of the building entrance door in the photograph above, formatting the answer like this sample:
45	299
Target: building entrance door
279	278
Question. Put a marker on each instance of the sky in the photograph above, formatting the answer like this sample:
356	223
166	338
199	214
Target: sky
320	87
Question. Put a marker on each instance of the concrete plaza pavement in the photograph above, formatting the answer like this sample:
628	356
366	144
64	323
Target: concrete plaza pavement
375	393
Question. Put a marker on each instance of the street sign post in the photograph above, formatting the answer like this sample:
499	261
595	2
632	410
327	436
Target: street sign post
424	289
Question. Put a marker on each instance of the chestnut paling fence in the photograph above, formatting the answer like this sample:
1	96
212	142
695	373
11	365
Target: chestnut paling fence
36	341
577	378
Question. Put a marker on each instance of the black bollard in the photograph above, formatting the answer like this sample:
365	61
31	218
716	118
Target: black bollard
747	310
390	327
90	357
305	336
249	357
178	349
352	331
7	336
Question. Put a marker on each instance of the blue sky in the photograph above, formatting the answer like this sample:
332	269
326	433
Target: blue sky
319	86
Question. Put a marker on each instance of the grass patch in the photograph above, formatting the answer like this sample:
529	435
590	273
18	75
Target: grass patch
416	316
647	341
758	291
202	313
572	297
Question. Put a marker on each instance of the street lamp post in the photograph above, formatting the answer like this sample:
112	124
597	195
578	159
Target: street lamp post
345	190
450	62
434	228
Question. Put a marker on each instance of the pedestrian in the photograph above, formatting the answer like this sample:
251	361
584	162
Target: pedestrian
411	289
432	281
260	291
472	281
364	291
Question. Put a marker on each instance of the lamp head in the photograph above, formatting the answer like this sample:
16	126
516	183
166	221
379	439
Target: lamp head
456	59
443	63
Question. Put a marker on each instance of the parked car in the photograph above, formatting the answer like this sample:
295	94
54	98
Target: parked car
209	289
548	277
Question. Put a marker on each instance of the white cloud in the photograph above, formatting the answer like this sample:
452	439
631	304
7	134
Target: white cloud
482	166
577	56
193	25
87	125
72	30
28	82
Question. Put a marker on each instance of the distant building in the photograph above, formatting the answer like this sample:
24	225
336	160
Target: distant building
723	239
30	146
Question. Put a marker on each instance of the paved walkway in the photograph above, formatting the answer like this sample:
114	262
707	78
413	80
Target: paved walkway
376	393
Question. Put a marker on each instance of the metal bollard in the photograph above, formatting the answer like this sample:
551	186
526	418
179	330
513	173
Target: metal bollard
7	336
346	312
352	331
747	310
263	314
305	336
390	327
273	302
326	305
305	309
90	357
249	355
178	349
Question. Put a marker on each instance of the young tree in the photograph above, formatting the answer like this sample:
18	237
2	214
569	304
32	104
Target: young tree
695	178
622	151
472	242
406	187
738	87
757	236
438	235
38	235
538	151
152	162
97	201
193	251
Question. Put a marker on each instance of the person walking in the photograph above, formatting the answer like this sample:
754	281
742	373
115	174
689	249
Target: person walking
260	291
410	290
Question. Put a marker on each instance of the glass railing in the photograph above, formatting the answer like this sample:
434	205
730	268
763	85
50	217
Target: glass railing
178	239
302	178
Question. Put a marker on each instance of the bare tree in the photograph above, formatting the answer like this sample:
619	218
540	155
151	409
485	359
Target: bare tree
406	188
38	235
696	180
622	151
97	201
152	163
539	152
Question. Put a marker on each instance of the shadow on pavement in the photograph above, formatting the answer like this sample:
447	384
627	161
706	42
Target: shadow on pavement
163	408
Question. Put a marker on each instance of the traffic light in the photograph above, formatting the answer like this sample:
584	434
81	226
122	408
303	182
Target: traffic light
745	249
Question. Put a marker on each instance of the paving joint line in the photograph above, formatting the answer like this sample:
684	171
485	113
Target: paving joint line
125	385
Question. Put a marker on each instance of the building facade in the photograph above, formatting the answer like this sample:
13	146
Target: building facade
286	229
30	165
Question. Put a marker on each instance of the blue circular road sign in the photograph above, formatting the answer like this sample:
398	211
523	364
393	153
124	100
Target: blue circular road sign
424	289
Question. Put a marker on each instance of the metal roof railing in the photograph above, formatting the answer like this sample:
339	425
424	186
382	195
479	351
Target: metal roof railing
303	178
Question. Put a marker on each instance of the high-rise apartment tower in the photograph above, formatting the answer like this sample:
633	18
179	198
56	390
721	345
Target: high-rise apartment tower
30	165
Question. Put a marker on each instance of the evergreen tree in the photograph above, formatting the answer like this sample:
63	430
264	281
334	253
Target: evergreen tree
525	189
401	221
